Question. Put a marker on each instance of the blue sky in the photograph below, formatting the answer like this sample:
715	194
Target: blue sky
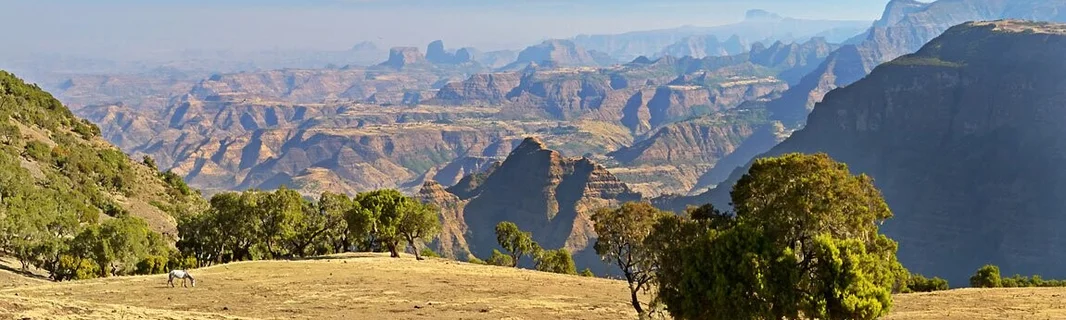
141	27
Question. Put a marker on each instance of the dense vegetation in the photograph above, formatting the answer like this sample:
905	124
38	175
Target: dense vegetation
803	242
988	276
60	191
253	225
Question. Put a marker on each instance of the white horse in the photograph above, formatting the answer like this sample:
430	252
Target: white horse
180	274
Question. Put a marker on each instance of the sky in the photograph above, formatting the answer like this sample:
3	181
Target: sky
144	27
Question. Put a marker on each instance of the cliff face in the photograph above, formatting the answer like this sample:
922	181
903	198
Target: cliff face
547	194
479	89
905	27
452	240
964	141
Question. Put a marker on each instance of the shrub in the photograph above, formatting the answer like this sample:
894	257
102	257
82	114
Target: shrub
500	259
556	261
72	268
986	277
587	273
427	252
152	265
919	283
39	151
474	260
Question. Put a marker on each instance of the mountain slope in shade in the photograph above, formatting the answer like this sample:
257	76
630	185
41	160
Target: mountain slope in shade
542	192
964	138
904	28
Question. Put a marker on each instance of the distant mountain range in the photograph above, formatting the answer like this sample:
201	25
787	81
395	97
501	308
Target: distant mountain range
758	26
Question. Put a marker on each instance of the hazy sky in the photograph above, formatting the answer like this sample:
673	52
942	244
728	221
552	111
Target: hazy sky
114	27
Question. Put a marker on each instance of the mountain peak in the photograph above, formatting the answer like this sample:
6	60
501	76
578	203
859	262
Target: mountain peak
761	15
531	144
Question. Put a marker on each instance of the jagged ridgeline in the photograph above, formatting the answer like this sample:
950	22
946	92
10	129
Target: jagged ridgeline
58	178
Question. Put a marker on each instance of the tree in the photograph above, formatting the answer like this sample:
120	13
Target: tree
381	215
804	241
420	223
556	261
986	277
621	233
516	242
278	214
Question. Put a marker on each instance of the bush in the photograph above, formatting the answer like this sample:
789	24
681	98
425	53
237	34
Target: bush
72	268
986	277
587	273
474	260
429	253
152	265
500	259
39	151
556	261
919	283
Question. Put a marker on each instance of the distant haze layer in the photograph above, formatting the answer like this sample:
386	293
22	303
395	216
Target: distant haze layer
127	29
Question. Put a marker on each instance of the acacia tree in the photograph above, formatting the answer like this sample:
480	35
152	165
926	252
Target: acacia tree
805	241
420	223
621	233
517	242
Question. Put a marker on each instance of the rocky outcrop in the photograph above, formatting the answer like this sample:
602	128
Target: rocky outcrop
452	240
479	89
400	57
963	140
547	194
435	53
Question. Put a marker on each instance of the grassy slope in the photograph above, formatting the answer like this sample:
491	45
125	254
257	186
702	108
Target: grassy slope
377	287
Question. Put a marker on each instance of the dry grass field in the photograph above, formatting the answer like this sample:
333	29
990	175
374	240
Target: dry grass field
376	287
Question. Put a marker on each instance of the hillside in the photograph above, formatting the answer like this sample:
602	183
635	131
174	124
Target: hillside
375	287
963	139
56	170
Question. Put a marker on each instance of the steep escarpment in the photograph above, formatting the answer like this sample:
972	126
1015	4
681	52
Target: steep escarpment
964	140
904	28
545	193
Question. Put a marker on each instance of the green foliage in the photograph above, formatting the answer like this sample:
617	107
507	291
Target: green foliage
804	241
919	283
428	252
152	265
148	161
39	151
986	277
72	268
621	242
516	242
556	261
474	260
587	273
386	217
500	259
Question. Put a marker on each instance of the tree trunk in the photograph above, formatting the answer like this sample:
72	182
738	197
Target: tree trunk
636	302
392	249
411	241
